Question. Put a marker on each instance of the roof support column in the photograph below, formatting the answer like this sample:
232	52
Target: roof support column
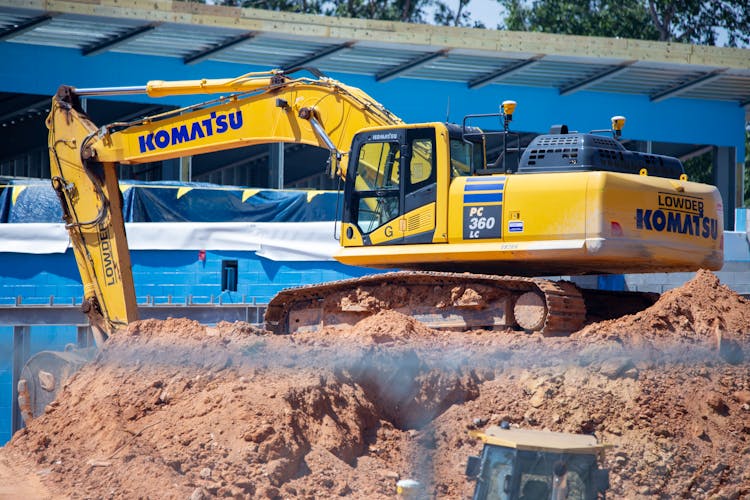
21	351
84	336
276	165
186	169
725	178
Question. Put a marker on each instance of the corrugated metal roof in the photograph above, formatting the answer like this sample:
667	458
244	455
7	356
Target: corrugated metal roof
266	51
274	50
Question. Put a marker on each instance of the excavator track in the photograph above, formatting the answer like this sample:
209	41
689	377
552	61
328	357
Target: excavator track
455	301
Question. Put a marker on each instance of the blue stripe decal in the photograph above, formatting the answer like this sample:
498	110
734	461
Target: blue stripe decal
484	187
483	198
480	180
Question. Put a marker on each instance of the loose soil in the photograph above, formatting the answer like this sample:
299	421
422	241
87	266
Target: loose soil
174	409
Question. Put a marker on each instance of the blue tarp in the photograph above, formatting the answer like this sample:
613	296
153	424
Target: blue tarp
35	201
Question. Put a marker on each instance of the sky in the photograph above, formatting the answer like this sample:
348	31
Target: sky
487	11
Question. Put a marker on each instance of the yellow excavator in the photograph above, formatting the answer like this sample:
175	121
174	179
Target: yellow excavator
471	233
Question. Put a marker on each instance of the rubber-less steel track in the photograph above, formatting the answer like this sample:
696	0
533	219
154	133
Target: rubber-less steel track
562	304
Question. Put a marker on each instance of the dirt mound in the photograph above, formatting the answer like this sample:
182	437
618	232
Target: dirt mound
701	310
231	411
173	409
383	327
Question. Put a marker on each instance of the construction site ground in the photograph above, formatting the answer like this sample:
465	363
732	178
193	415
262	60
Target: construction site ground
174	409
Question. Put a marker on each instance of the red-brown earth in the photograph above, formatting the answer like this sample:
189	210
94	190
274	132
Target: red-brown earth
173	409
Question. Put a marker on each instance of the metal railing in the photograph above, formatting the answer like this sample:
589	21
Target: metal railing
209	310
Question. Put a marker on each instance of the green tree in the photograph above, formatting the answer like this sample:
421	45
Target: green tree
690	21
610	18
301	6
701	22
700	168
409	11
444	15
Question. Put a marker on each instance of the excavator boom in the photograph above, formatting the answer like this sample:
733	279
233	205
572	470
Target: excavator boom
263	108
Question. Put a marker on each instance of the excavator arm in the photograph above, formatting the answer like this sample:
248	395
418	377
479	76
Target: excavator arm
257	108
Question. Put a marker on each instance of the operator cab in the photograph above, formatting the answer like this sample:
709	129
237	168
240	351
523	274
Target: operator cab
529	464
392	180
392	172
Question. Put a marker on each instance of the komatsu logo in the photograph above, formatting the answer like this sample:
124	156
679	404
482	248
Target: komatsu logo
678	213
215	124
384	137
677	222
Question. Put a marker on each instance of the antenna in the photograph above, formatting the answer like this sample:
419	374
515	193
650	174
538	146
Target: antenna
448	110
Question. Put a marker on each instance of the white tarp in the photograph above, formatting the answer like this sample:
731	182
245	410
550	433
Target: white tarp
36	238
281	241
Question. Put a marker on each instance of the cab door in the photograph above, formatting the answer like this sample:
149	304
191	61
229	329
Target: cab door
420	186
390	188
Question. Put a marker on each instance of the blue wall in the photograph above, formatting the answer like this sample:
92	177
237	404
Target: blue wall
6	376
690	121
180	273
36	277
160	274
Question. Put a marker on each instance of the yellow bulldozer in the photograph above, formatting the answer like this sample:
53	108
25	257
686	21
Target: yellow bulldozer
529	464
474	233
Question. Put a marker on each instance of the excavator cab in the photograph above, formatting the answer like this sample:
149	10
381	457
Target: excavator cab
528	464
391	186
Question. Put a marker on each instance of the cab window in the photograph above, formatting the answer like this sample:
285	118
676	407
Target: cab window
422	162
377	184
465	156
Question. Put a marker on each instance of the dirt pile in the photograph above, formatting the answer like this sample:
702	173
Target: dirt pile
172	409
702	310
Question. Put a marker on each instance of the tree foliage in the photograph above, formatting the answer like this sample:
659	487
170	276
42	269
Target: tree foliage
444	15
410	11
701	22
610	18
700	168
690	21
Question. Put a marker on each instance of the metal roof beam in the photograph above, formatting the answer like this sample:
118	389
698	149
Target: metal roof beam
143	113
505	71
117	40
41	103
684	87
416	62
21	28
309	59
696	152
223	46
605	74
